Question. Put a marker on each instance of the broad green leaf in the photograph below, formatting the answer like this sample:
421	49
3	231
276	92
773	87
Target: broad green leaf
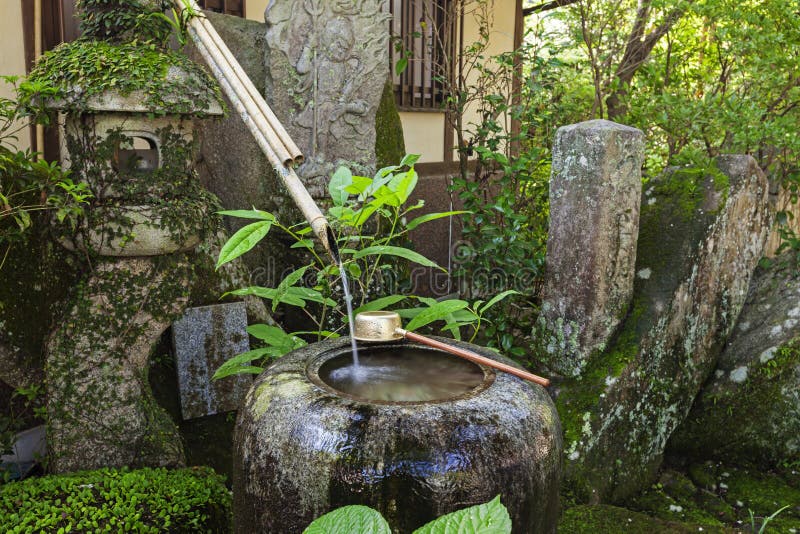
242	241
409	313
452	326
273	335
431	217
306	293
337	187
379	304
354	269
497	298
249	214
270	294
400	66
384	171
290	280
409	159
359	185
437	312
354	519
304	243
364	214
386	197
237	364
377	183
489	518
407	185
389	250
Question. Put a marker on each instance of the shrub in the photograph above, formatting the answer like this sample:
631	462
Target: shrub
118	500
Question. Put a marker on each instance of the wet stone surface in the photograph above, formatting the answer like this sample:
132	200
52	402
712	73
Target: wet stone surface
301	450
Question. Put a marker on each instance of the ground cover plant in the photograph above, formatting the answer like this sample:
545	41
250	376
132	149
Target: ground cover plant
118	500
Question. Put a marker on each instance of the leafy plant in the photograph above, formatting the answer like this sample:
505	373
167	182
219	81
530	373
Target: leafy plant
763	528
488	518
29	185
179	20
372	221
118	500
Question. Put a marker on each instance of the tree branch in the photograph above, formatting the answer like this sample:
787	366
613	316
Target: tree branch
547	6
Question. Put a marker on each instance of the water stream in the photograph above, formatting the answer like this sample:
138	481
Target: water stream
348	299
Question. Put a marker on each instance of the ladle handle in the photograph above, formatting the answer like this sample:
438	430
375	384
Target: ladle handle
471	356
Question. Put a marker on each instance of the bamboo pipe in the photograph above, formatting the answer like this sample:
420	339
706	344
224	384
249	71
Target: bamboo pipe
319	224
283	136
276	134
241	93
266	138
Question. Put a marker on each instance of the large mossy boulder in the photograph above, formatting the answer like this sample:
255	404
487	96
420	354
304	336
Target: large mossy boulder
749	411
701	235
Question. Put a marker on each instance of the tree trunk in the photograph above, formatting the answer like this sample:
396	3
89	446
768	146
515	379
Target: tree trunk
636	53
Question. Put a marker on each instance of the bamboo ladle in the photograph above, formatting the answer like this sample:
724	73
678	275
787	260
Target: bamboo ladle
387	326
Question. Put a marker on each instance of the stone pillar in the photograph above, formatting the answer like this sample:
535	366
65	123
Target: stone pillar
327	64
595	193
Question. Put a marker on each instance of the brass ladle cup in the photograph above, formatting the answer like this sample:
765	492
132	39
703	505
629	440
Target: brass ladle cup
387	326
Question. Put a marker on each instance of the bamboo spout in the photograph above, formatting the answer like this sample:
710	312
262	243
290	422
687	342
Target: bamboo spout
270	135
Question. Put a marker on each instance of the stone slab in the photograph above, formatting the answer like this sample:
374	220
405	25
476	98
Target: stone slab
204	338
591	246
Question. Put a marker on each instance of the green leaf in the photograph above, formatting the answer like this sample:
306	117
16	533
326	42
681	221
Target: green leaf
304	243
389	250
249	214
401	65
350	519
359	185
242	241
273	335
497	298
407	185
364	214
409	159
337	187
379	304
432	216
489	518
237	364
437	312
290	280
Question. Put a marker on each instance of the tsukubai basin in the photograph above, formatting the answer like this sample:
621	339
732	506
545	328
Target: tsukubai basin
302	447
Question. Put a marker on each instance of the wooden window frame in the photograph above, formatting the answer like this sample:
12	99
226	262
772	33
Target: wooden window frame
417	88
237	8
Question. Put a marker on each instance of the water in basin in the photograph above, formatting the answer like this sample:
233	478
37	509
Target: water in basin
402	375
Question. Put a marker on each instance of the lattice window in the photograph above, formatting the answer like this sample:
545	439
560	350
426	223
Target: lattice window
229	7
427	34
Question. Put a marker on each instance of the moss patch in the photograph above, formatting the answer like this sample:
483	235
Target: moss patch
749	422
169	81
390	145
594	519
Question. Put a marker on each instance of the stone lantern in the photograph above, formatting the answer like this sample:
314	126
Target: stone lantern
128	113
136	152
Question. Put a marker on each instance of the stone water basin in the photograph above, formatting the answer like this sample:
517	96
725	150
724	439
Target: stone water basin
432	436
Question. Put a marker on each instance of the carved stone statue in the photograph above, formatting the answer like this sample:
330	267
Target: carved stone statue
327	63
